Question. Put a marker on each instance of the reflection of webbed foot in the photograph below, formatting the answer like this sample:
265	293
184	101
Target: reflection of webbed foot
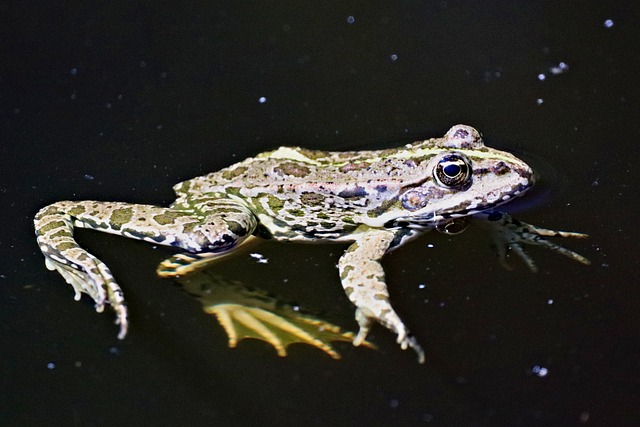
509	233
241	322
246	313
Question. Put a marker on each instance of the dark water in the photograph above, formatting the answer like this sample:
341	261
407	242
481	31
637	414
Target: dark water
115	101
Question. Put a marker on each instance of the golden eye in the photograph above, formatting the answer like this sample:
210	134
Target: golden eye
452	171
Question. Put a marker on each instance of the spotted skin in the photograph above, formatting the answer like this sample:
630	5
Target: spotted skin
374	200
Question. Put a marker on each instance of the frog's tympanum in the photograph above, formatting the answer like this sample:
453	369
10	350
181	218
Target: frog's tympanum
374	200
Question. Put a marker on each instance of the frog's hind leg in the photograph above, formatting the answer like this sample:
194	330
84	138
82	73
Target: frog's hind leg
225	223
188	228
54	226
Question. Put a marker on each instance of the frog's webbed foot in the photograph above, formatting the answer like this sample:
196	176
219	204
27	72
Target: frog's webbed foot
405	338
363	280
251	313
509	233
94	279
86	273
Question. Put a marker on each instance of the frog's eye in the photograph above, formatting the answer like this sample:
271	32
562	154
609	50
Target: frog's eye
452	171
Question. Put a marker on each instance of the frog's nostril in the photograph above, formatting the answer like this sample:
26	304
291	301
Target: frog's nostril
501	168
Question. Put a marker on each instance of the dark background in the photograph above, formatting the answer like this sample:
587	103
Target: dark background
121	100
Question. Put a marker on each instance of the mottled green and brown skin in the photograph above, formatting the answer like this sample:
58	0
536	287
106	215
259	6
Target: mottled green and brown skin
377	200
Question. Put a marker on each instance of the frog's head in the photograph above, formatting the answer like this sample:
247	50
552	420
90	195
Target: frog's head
464	177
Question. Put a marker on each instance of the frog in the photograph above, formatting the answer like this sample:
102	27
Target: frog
371	201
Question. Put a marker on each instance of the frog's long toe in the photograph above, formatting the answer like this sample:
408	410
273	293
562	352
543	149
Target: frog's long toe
407	340
410	341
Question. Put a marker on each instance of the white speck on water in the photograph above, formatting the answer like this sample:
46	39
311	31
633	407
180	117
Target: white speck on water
51	365
584	417
540	371
430	245
542	77
73	72
259	258
562	67
394	57
549	301
88	177
608	23
539	101
262	100
350	19
422	286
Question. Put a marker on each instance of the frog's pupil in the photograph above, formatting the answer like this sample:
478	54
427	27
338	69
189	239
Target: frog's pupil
452	170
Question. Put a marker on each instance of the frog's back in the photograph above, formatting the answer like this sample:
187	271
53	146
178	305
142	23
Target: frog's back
294	169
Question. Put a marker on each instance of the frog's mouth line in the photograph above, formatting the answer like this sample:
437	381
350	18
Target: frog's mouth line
432	219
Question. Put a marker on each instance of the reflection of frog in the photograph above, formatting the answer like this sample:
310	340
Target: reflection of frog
253	313
376	200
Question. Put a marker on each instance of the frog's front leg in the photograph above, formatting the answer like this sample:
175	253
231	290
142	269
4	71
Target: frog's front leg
206	226
363	280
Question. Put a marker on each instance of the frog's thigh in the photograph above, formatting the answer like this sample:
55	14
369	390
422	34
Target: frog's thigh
214	225
364	283
225	224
